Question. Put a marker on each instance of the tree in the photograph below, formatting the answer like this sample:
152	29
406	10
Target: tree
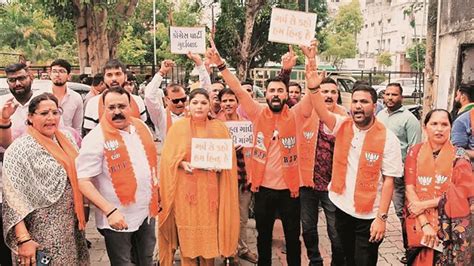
416	56
384	59
99	26
342	33
242	32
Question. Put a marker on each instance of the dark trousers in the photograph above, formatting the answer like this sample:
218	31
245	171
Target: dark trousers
310	200
354	234
398	200
131	248
5	252
267	203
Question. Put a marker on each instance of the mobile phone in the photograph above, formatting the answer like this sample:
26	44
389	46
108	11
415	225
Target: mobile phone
42	259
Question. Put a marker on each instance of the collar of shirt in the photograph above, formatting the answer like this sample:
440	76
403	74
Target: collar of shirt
399	110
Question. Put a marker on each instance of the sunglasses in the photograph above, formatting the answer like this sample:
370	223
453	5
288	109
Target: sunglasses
20	79
176	101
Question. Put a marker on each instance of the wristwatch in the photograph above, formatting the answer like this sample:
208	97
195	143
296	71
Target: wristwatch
382	216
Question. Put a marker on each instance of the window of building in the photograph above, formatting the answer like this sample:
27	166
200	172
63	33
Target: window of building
380	22
403	39
372	24
389	20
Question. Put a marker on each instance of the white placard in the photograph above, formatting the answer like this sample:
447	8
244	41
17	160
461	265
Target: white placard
292	27
241	132
211	153
185	39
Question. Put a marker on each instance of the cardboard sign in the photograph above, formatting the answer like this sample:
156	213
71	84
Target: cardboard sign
211	153
292	27
185	39
241	132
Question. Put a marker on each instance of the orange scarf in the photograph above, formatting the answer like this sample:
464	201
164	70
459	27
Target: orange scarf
65	154
120	166
133	105
264	129
432	178
307	139
175	150
370	164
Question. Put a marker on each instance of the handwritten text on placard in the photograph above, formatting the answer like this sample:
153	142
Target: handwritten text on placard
292	27
242	132
211	153
185	39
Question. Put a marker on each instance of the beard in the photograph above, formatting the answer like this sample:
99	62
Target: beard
276	109
365	121
59	83
457	105
21	92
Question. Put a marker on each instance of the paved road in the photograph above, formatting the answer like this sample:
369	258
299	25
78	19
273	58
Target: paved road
389	252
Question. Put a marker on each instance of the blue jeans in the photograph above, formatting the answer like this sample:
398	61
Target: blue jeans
310	199
131	248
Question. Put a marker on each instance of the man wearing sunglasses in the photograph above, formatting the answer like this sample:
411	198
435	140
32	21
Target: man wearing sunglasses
175	99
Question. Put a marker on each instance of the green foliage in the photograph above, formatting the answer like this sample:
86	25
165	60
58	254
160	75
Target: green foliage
131	49
384	59
230	28
412	56
342	32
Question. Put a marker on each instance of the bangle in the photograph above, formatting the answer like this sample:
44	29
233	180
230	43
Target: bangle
112	211
425	224
7	126
23	242
221	67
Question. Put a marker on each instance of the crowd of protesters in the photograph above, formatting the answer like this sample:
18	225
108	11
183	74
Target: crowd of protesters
60	153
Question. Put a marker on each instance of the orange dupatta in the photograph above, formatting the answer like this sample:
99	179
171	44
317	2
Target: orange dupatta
307	139
370	163
175	150
264	128
120	167
65	153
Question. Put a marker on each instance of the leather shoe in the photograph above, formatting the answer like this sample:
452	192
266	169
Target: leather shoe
249	256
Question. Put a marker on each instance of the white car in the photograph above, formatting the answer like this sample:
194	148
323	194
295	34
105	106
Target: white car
411	86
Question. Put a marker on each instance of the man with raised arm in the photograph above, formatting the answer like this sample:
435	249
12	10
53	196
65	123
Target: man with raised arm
274	160
366	158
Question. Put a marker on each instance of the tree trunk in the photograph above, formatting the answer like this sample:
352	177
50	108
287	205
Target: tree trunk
429	91
97	44
251	10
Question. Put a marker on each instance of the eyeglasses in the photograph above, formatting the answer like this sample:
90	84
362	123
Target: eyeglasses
176	101
45	113
59	71
19	78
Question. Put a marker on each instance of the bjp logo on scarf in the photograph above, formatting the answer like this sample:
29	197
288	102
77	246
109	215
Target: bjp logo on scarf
308	135
288	142
111	145
259	142
371	157
424	181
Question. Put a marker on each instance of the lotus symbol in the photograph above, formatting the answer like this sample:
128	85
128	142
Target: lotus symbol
371	157
425	180
288	142
308	135
440	179
111	145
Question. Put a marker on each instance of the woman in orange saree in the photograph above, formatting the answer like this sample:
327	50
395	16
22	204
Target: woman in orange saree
200	207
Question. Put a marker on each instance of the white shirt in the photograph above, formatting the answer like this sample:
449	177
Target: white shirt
391	166
73	110
91	114
154	104
91	163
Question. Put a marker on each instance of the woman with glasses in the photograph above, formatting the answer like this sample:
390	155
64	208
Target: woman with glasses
43	209
200	207
440	197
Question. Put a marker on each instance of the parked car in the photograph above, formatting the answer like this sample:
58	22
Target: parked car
410	86
44	84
